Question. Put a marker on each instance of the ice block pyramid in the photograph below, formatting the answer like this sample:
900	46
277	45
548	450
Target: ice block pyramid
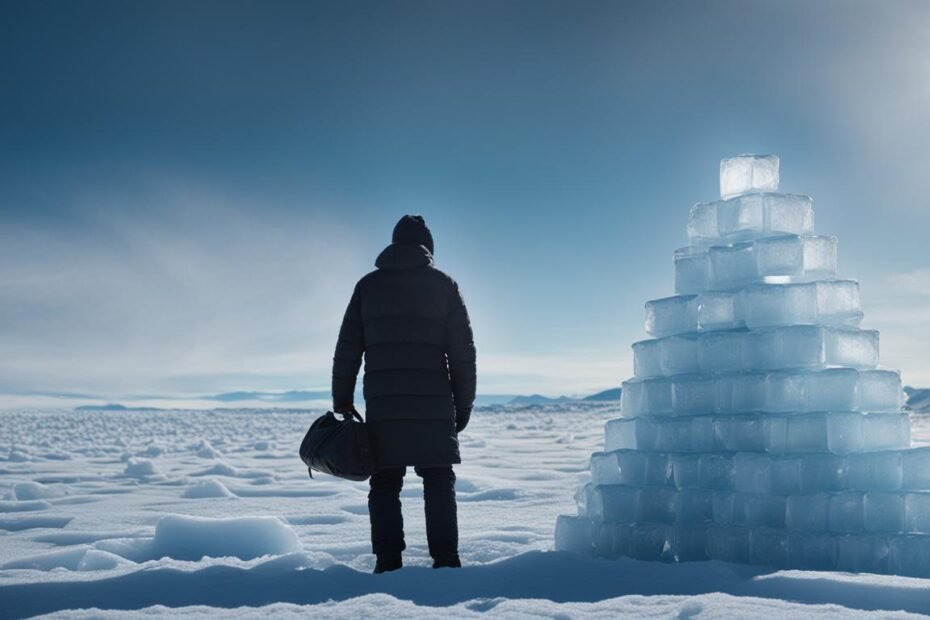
758	427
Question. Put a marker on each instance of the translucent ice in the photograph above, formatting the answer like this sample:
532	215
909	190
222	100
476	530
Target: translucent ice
822	472
845	513
768	547
917	513
878	471
647	358
633	434
605	469
648	541
880	390
656	505
826	302
768	305
748	217
729	508
679	355
910	555
915	465
886	431
715	471
728	543
752	473
742	433
688	542
671	315
612	540
765	510
718	311
741	217
685	470
884	512
832	390
613	503
691	271
811	551
573	534
694	506
694	394
808	513
788	257
721	351
863	553
748	173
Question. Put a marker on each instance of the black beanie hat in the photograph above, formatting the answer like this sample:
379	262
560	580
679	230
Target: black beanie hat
412	229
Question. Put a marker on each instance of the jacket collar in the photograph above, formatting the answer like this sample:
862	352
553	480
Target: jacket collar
404	256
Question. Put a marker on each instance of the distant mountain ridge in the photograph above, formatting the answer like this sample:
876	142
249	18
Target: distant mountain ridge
918	399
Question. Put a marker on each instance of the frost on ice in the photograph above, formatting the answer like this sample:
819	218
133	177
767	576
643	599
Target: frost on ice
758	427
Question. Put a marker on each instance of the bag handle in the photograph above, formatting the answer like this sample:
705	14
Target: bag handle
354	414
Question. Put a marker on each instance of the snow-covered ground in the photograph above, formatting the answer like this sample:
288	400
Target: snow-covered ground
212	510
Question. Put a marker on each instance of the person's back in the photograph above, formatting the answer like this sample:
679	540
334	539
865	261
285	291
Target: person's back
410	322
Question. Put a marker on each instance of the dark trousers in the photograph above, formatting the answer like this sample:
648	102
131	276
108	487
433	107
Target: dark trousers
387	522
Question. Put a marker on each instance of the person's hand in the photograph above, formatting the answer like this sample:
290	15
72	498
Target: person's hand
461	419
343	409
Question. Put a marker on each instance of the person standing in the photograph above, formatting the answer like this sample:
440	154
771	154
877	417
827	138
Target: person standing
409	321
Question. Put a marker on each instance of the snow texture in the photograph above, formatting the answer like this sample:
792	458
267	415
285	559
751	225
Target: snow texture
117	546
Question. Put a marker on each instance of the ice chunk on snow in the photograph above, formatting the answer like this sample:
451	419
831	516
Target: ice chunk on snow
193	538
748	173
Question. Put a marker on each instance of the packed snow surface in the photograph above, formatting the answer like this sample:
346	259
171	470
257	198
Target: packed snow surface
110	514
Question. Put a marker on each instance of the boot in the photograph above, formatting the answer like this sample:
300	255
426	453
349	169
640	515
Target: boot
448	562
388	562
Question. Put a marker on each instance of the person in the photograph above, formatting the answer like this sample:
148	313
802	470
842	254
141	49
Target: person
409	321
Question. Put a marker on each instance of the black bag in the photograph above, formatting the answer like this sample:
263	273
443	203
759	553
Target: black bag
338	447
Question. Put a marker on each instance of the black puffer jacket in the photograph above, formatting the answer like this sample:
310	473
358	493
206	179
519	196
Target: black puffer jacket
410	322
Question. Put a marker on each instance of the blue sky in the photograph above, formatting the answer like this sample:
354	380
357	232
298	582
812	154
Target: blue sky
188	191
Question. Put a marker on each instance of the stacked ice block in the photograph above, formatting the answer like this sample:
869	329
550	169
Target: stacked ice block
758	427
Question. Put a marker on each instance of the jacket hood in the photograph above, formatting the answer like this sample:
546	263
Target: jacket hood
413	229
404	256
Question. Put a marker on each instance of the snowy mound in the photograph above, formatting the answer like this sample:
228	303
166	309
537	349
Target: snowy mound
205	450
80	559
206	489
193	538
140	468
25	491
